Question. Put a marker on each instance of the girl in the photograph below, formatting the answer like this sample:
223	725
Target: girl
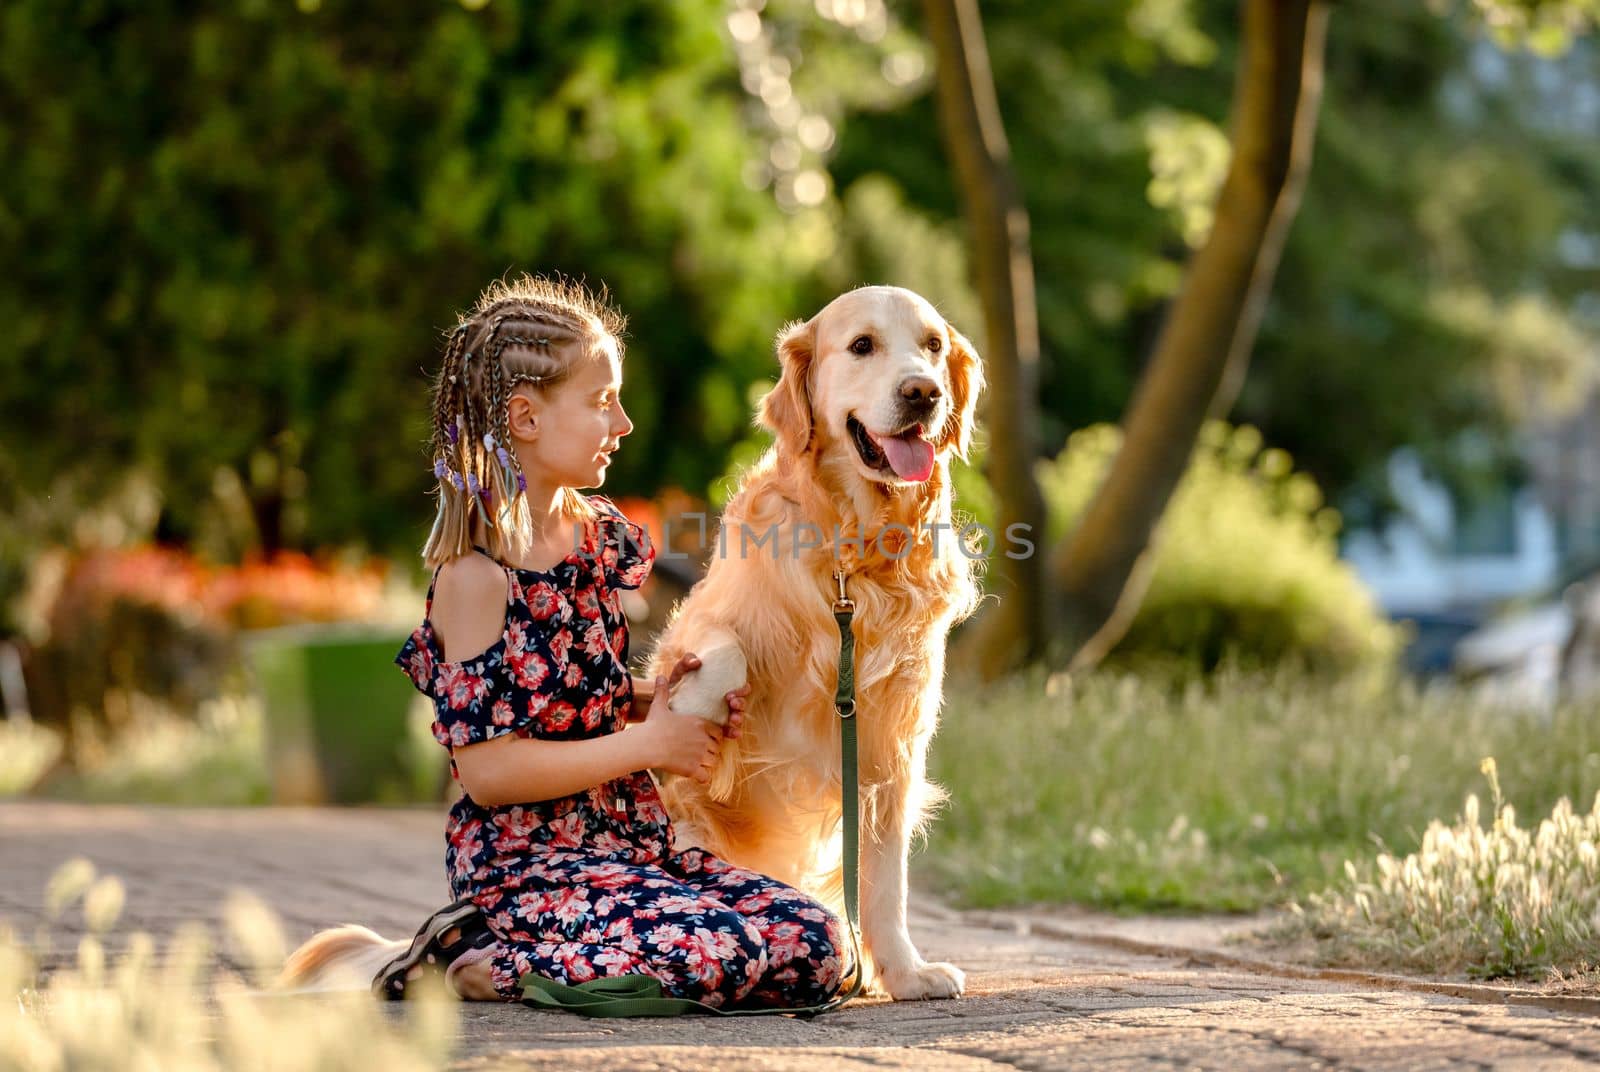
559	852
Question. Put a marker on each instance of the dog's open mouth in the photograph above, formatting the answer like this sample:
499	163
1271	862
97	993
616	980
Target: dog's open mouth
906	454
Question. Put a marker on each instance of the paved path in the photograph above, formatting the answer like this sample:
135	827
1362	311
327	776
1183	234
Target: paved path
1033	1002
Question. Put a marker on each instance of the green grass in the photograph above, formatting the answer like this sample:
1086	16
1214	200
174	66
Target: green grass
1229	793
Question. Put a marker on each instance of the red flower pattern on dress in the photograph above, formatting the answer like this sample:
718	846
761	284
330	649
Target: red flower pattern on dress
517	822
420	665
786	940
528	670
596	642
595	711
634	575
668	936
567	831
609	842
558	715
571	906
560	644
613	961
573	676
543	601
459	686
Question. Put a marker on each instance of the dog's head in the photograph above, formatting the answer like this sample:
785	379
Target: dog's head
878	375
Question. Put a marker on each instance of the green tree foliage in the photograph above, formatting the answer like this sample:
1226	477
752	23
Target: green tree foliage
1430	283
233	237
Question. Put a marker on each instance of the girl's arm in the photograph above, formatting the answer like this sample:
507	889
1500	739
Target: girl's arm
525	770
521	770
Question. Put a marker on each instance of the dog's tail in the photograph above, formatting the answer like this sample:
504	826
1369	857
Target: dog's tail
340	958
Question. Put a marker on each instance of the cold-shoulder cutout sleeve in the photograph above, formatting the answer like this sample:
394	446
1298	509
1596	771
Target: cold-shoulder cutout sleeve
625	552
469	697
508	688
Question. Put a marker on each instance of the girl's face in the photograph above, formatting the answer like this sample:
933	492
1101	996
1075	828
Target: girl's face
578	424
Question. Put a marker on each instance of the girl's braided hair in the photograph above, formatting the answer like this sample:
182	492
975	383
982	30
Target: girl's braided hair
528	330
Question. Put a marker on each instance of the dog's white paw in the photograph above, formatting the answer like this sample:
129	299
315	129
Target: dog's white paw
700	692
925	981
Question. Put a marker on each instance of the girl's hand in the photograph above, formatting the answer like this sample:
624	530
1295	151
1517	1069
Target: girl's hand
644	691
736	699
681	744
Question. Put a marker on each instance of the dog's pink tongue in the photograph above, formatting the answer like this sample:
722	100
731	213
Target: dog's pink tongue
910	455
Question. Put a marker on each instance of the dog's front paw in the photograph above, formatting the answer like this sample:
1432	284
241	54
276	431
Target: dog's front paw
925	981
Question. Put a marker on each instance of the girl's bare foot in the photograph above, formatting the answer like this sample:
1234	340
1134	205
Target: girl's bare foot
474	983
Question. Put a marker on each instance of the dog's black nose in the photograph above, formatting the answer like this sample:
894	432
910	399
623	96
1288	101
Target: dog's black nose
920	392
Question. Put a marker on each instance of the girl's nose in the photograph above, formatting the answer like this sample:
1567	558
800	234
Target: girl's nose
627	422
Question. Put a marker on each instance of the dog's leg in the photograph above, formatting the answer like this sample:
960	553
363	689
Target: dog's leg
885	845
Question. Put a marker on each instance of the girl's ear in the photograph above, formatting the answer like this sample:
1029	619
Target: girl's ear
786	410
522	417
966	384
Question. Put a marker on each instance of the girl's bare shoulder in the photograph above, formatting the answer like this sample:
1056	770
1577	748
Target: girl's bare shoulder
469	605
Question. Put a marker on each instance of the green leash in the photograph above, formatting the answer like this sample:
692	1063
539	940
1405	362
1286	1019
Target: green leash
641	995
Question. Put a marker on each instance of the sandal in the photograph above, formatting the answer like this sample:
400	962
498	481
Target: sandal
429	947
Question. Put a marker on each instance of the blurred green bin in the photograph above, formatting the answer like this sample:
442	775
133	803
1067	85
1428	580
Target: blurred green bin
335	708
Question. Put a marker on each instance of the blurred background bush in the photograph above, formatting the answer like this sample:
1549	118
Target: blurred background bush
1247	567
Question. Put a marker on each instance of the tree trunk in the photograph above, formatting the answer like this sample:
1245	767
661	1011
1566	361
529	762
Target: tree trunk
1101	569
1015	629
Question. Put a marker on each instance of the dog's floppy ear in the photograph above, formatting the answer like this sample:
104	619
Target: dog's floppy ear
786	409
966	384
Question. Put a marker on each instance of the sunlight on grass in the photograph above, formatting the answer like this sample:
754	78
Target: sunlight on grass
217	757
141	1011
1231	792
1496	902
161	757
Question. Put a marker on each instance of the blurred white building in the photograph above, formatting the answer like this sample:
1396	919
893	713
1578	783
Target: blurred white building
1483	582
1436	558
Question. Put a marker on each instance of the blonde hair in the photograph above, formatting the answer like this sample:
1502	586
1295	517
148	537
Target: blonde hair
528	330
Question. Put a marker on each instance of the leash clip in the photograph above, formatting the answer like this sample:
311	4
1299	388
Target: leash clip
844	602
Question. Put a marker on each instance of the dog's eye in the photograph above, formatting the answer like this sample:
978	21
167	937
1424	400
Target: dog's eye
861	346
935	344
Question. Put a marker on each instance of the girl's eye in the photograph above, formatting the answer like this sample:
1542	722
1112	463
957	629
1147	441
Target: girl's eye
935	344
862	346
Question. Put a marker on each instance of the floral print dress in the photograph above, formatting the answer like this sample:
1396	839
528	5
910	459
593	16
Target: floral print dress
587	886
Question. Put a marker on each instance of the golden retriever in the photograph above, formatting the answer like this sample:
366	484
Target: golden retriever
876	392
